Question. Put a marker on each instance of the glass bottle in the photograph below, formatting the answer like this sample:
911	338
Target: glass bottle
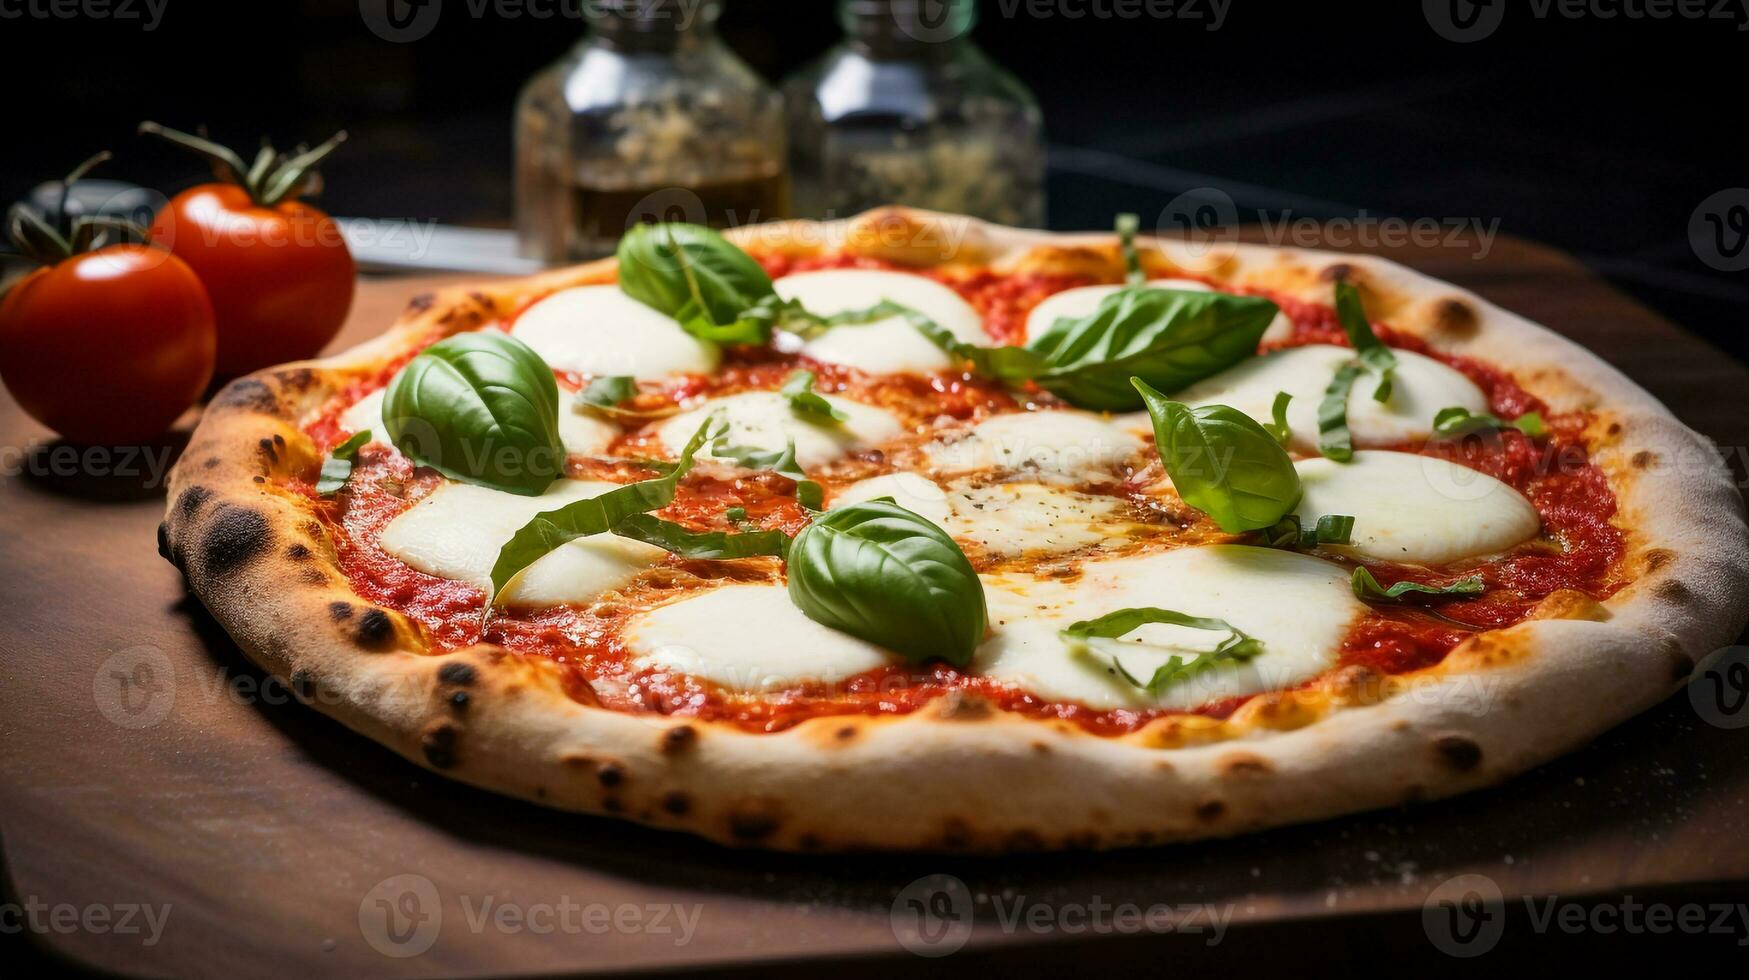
908	110
650	117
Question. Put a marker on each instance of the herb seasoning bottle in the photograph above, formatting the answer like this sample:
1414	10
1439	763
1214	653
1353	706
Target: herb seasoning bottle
651	117
907	110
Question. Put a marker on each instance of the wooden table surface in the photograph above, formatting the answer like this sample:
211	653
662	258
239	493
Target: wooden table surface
147	766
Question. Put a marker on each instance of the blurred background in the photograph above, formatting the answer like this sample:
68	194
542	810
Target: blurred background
1617	139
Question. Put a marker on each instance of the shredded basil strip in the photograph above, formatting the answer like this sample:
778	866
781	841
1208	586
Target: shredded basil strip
736	516
1458	421
1368	588
807	404
1335	440
1335	529
782	462
1278	426
337	468
555	528
607	391
717	545
1351	313
1127	226
1237	647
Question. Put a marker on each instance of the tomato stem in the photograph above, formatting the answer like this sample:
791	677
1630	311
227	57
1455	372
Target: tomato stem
51	238
271	179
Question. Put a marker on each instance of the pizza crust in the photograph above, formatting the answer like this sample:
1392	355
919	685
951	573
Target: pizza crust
960	774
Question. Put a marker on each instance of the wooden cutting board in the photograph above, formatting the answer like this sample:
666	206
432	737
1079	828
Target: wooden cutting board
145	764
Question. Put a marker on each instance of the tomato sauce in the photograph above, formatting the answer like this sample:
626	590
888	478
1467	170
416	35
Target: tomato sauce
1579	549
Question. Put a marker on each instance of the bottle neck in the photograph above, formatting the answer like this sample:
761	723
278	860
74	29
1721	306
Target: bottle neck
915	29
653	26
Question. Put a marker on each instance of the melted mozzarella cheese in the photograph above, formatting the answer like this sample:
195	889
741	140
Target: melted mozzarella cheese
599	330
1083	300
1300	608
1414	508
889	346
1059	446
580	434
747	638
763	420
1004	518
1421	387
457	531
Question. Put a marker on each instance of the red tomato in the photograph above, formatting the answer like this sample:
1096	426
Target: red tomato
108	347
281	278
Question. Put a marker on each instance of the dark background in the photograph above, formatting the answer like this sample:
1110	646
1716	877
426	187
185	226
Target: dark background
1597	135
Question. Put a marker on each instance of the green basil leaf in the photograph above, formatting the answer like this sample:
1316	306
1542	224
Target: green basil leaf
1167	337
737	516
1458	421
480	408
1127	226
694	275
1222	462
1278	426
1009	365
1291	532
1371	351
337	468
883	574
1368	588
780	461
676	539
607	391
1238	646
1335	440
810	495
554	528
807	404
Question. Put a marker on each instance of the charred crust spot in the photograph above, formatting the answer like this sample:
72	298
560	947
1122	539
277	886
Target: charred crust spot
1614	429
164	543
752	825
1041	748
679	739
1454	316
1657	558
1642	459
235	537
845	733
1337	272
1245	764
1681	668
249	393
278	441
611	774
457	673
303	685
955	833
1460	752
298	379
438	744
267	450
1673	590
1209	811
576	761
298	552
340	612
676	803
192	499
260	479
421	302
210	463
313	576
374	630
459	701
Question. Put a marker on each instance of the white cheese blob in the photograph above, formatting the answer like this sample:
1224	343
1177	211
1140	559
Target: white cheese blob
1421	387
457	531
764	420
889	346
1083	300
747	638
1418	509
580	434
1057	446
1004	518
1299	607
599	330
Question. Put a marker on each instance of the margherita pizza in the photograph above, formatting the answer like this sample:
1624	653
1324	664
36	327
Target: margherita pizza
912	532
